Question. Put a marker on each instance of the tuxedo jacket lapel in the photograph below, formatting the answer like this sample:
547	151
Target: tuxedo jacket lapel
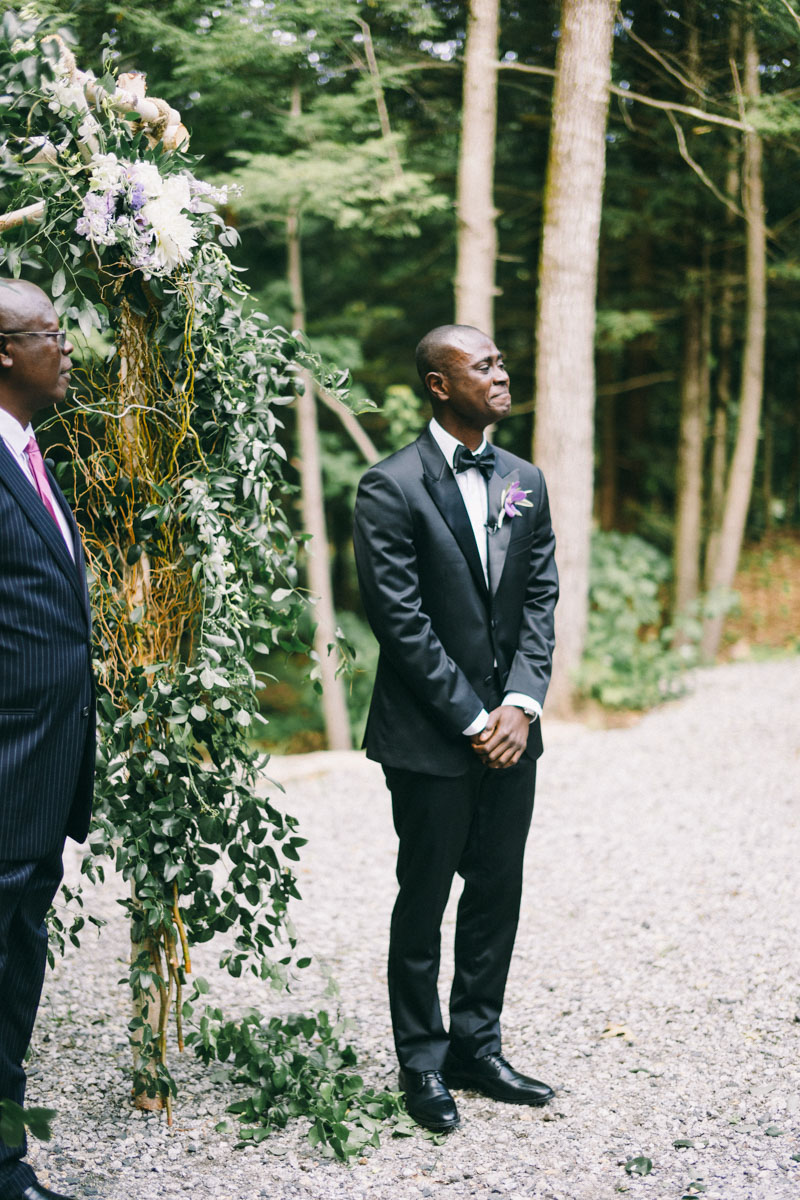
77	544
499	537
35	511
446	495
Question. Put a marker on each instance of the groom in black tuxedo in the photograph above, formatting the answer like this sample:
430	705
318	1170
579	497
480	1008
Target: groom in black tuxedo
455	556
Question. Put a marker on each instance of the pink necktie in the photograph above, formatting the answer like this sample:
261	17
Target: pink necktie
40	476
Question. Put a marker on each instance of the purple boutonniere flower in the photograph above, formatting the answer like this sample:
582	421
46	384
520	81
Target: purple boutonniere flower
513	498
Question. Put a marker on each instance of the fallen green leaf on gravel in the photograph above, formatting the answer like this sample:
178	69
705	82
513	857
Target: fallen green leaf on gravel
694	1189
683	1144
773	1131
639	1166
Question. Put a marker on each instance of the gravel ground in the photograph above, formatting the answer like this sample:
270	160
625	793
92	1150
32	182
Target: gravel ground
655	982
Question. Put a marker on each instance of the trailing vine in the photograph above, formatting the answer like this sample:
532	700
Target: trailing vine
172	457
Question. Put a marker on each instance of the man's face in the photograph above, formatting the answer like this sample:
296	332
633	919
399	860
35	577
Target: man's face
474	387
35	369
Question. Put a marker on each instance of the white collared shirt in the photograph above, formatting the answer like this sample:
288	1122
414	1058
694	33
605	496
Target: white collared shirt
16	439
475	494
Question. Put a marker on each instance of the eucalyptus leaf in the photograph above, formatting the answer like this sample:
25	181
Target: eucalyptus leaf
639	1166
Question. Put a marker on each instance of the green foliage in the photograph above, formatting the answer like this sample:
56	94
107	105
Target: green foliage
630	660
404	414
173	457
614	329
355	187
361	677
66	920
14	1120
300	1066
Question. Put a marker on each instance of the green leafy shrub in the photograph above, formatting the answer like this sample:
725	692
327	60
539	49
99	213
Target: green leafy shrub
632	659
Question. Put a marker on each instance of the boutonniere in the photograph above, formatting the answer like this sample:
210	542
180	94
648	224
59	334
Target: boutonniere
512	499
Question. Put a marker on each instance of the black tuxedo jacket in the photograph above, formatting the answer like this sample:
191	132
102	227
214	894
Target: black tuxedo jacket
440	629
47	716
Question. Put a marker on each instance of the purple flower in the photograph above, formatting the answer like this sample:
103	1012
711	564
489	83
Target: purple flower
513	498
138	197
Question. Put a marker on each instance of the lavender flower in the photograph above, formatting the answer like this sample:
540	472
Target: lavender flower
96	223
137	197
512	499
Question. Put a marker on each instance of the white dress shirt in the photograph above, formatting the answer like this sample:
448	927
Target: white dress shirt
16	439
475	494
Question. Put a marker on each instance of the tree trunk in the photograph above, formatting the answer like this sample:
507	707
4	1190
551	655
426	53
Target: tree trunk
635	407
722	401
607	475
563	445
740	476
334	703
768	460
477	232
793	483
695	396
694	408
724	389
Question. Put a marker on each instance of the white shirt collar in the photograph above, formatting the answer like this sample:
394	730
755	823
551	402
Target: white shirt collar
446	442
13	433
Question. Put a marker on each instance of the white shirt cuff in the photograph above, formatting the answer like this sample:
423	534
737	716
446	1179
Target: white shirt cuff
519	700
477	725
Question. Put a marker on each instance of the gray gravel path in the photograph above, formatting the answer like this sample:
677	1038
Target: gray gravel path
655	982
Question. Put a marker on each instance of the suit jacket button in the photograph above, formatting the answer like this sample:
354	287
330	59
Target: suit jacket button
85	711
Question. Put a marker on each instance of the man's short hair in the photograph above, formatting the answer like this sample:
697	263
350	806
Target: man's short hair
435	350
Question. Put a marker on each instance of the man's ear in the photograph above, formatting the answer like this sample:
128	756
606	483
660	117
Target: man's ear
436	384
6	359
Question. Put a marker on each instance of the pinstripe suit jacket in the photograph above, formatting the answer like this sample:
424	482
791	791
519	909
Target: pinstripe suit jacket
47	716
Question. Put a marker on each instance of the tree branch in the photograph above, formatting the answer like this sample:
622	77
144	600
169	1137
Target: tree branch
790	10
32	212
698	170
682	79
350	423
380	99
664	105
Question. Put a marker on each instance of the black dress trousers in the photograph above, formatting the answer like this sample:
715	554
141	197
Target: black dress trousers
475	824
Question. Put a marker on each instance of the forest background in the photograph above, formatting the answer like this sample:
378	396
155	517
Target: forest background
375	173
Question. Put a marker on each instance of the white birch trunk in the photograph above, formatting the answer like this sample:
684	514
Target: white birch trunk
477	231
334	702
740	475
565	384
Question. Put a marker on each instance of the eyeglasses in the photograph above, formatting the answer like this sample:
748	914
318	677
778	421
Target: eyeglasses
59	334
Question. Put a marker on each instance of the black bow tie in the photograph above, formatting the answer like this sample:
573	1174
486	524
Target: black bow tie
463	459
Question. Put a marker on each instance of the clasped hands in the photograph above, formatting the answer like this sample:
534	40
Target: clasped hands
501	742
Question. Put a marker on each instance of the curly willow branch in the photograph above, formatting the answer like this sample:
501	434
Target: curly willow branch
126	450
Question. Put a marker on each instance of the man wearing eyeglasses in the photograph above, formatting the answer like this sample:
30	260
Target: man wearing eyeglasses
47	718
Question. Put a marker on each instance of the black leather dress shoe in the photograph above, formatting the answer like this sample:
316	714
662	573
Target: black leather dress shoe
428	1100
495	1077
36	1191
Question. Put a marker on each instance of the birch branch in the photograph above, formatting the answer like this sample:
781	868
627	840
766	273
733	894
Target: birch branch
683	150
351	424
667	66
380	99
31	212
649	101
